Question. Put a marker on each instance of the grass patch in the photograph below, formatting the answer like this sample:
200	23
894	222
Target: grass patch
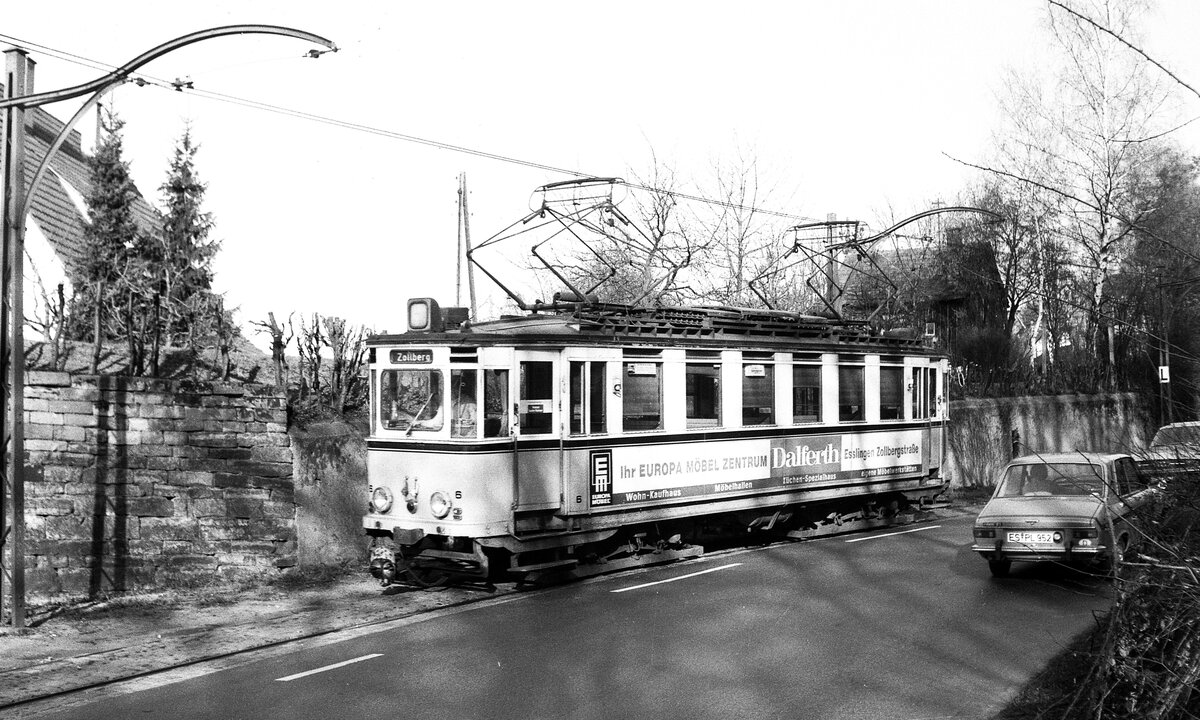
1049	693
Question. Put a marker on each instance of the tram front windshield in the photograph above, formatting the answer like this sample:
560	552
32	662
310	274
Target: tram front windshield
411	399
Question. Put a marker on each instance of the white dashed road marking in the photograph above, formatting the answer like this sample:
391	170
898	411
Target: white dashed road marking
681	577
334	666
901	532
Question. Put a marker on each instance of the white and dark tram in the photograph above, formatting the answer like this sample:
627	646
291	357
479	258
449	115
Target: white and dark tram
583	437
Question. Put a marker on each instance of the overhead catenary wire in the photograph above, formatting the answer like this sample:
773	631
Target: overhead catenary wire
143	79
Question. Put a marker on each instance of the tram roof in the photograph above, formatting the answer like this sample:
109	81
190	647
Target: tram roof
590	324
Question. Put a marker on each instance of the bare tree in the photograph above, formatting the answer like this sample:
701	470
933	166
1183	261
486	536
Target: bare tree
279	343
744	243
1083	137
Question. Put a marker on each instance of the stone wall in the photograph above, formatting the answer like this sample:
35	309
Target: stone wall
134	483
981	431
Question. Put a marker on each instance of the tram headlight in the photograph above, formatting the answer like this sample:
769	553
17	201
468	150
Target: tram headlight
381	499
439	505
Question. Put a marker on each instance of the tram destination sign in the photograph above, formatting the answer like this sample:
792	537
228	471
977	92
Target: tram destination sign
411	357
654	473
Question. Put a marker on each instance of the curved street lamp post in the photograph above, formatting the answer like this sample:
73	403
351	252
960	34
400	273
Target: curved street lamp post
18	97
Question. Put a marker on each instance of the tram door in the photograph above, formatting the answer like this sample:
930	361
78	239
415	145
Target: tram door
923	408
538	444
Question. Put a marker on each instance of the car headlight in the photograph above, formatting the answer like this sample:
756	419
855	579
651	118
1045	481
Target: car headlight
439	505
381	499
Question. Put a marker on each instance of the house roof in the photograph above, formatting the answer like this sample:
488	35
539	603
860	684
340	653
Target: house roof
60	218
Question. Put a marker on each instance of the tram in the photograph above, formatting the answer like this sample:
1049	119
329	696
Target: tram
582	436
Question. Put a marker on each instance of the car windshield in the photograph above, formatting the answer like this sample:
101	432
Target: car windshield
1045	479
1177	435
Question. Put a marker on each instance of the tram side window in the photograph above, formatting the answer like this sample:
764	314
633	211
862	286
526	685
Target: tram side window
924	392
891	393
537	397
851	393
495	403
806	393
642	397
758	394
931	392
411	399
587	398
463	403
918	393
703	395
596	396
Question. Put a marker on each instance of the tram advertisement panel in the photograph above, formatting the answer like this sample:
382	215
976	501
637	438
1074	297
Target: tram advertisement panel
664	472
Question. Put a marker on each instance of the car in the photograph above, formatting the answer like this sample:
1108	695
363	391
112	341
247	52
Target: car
1074	508
1174	452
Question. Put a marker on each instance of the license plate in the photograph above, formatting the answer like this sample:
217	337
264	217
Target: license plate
1031	538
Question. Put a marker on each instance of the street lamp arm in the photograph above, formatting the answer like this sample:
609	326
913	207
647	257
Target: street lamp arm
935	211
39	99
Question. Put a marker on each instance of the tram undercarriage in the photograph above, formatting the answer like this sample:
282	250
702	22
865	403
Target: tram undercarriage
435	560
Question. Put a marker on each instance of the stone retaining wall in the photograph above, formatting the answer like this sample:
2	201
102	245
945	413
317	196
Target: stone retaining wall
134	483
980	432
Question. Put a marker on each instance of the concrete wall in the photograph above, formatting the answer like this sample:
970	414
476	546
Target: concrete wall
980	435
330	468
138	484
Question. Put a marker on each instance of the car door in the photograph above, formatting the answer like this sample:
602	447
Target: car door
1131	491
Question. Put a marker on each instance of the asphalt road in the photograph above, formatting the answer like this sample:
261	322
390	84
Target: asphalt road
901	623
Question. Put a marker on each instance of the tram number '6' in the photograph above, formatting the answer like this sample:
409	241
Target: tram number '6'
458	494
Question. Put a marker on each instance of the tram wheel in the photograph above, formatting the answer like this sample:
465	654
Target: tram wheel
426	577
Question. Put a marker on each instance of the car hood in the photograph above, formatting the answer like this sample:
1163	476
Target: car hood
1053	508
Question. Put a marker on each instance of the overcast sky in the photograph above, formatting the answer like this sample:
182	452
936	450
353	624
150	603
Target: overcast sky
850	107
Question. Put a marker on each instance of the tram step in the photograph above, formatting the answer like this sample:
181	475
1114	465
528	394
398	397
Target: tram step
564	564
846	526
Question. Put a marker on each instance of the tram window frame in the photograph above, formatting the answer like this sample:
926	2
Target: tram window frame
702	394
536	419
642	391
924	392
757	388
587	395
852	385
425	415
464	403
495	403
917	393
806	393
891	392
931	391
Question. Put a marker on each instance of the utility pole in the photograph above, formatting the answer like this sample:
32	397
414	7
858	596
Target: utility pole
18	82
464	244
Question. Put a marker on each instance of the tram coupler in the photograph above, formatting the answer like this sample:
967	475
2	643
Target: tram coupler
383	564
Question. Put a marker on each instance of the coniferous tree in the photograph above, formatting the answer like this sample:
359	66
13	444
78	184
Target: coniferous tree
107	238
187	251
